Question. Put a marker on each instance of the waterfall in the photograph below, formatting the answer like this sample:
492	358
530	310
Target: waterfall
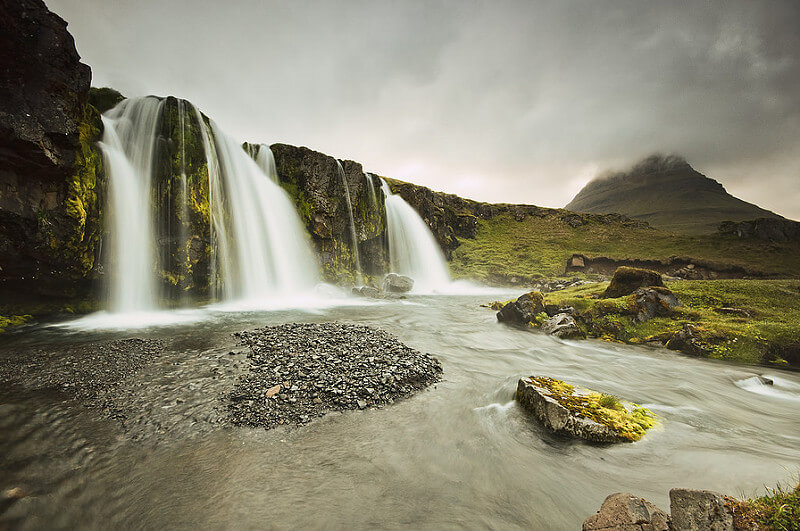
128	147
413	251
266	161
267	252
353	234
258	247
373	196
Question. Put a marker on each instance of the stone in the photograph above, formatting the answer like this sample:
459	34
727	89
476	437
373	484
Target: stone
696	510
654	302
763	380
577	261
394	283
523	310
626	512
562	326
626	280
274	390
686	341
367	291
558	418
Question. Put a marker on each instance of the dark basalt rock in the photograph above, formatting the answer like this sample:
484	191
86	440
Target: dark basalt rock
523	310
628	279
49	172
654	302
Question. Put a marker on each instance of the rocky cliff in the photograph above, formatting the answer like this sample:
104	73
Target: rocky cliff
50	172
669	194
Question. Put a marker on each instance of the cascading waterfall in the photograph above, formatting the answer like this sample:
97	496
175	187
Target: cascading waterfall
373	196
266	161
413	250
258	247
353	234
128	147
267	252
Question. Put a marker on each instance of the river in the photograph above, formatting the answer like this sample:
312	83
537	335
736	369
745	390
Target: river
458	455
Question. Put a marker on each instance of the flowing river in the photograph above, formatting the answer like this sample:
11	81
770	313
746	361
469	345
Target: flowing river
458	455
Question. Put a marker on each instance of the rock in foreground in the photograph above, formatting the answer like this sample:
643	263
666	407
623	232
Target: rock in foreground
626	512
301	371
581	413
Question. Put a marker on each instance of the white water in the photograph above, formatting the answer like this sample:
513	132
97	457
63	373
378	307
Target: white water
266	161
267	254
413	251
128	149
353	234
373	196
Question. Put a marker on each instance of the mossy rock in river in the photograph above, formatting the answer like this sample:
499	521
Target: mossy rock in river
582	413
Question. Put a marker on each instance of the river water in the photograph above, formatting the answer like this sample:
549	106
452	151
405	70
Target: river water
459	455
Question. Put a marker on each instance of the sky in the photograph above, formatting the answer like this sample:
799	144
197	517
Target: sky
501	101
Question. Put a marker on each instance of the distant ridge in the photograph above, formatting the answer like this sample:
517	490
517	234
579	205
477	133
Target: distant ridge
668	193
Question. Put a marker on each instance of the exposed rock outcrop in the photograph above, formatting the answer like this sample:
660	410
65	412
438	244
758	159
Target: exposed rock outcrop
770	229
313	181
680	267
523	310
699	510
626	512
51	182
626	280
563	326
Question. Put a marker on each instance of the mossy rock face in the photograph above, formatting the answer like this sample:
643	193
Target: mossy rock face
628	279
523	310
104	98
581	413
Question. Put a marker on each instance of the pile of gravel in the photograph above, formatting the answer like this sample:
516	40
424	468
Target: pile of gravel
301	371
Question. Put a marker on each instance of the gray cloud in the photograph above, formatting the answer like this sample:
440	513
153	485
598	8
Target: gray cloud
500	101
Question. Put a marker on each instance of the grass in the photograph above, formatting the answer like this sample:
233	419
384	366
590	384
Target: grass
778	510
629	421
767	330
540	246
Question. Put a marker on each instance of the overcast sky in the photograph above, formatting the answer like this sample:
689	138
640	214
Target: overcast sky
498	101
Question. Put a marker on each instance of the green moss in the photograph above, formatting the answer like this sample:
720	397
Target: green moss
629	421
772	332
298	196
104	98
540	246
778	510
13	320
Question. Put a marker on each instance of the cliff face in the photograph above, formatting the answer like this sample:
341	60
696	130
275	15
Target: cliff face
669	194
315	184
50	171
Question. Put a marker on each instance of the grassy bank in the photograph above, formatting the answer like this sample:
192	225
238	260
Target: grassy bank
746	321
540	246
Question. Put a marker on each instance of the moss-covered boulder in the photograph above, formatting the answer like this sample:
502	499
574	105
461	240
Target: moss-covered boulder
523	310
582	413
628	279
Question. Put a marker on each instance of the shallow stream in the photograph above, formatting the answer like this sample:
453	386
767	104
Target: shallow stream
460	454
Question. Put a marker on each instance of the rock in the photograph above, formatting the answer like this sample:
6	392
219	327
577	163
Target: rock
274	390
540	401
562	326
367	291
685	340
654	302
626	280
696	510
576	261
626	512
394	283
763	380
733	311
523	310
554	309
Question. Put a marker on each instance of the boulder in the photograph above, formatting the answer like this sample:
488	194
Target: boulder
696	510
562	326
523	310
394	283
626	512
367	291
542	402
686	341
654	302
626	280
554	309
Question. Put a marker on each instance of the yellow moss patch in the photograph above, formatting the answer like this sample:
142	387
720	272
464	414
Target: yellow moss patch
629	421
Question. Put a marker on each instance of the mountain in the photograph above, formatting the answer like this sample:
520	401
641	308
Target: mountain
669	194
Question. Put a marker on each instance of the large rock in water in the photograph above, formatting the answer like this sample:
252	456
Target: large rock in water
49	206
626	280
523	310
563	326
626	512
394	283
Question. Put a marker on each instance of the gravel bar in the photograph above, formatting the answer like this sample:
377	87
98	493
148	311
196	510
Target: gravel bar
301	371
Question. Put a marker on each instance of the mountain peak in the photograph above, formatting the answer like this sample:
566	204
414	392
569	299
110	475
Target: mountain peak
667	192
